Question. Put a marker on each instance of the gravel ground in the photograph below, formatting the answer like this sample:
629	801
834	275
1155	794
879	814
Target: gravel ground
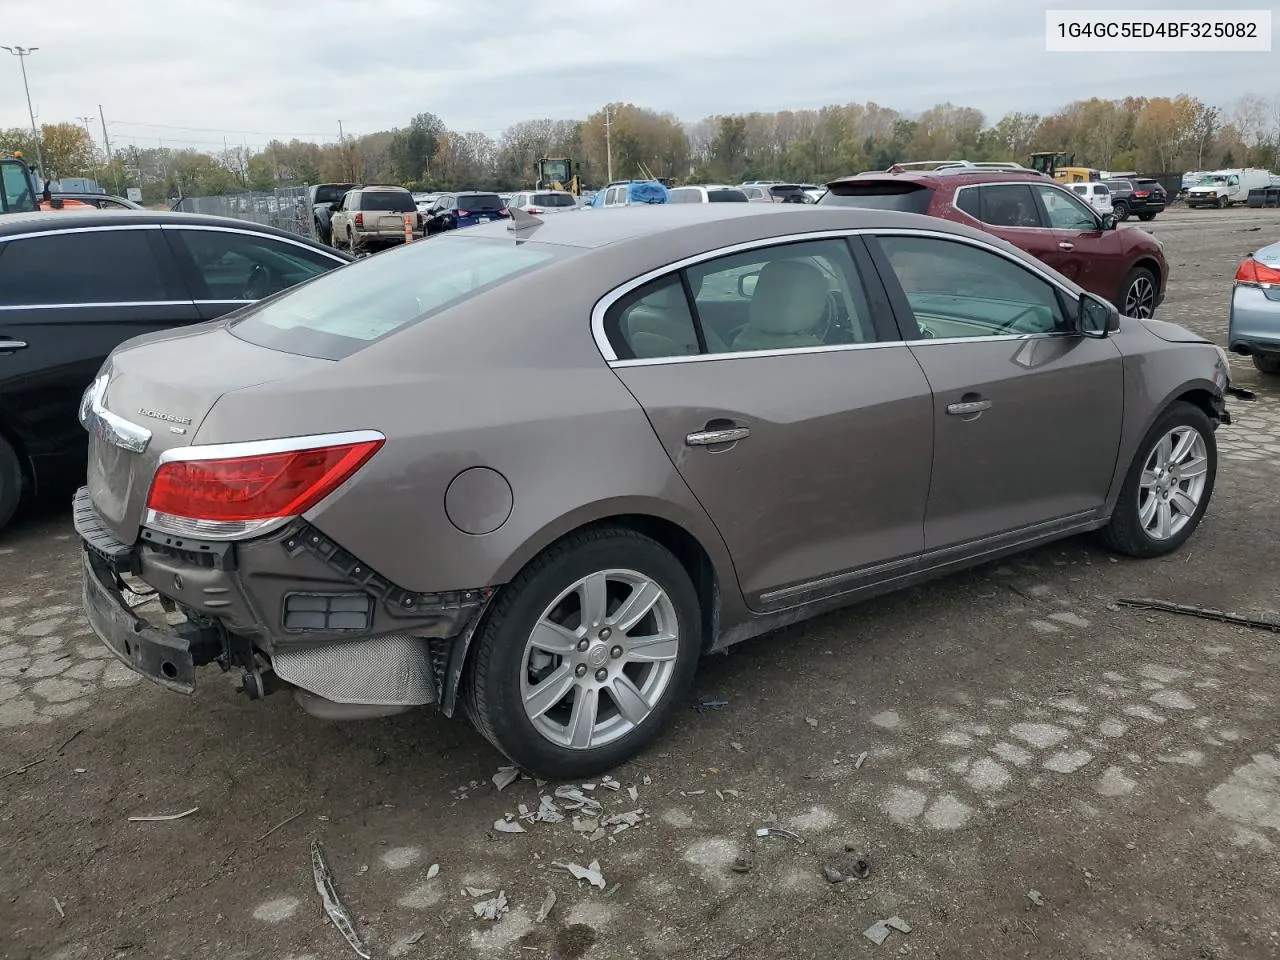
1046	774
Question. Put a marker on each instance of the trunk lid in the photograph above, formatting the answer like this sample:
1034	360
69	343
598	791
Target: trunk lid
154	385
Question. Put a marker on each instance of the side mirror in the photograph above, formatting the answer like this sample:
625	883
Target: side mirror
747	285
1108	221
1097	317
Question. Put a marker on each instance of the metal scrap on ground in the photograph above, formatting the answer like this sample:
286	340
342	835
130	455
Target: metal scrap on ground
164	816
548	904
1036	897
878	932
1204	613
332	905
507	826
433	871
505	777
779	832
492	909
591	874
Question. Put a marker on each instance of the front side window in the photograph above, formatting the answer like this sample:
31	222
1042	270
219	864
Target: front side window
1008	205
238	266
95	266
786	297
1064	211
344	311
480	202
684	195
958	290
653	322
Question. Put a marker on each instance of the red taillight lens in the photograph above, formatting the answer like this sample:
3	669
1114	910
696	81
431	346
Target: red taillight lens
359	219
1141	193
532	211
504	212
255	488
464	213
1253	272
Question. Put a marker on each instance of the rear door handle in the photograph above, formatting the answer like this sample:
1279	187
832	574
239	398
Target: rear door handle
1066	246
13	345
968	408
707	438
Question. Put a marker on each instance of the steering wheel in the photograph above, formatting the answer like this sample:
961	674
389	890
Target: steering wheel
257	285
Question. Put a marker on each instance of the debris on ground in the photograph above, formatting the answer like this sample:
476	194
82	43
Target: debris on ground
862	758
493	909
692	793
574	799
878	932
548	904
1036	897
364	868
547	812
505	777
612	890
433	871
832	875
633	793
508	826
475	893
609	783
811	721
861	869
708	705
591	874
332	905
58	906
624	821
1204	613
415	938
779	832
283	823
163	816
740	865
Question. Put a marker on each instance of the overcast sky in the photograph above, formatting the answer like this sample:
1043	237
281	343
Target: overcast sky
190	73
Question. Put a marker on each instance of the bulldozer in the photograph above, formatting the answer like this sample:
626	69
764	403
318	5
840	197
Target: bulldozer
558	173
1062	167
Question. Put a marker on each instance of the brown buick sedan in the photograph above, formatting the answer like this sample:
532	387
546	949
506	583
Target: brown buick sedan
536	469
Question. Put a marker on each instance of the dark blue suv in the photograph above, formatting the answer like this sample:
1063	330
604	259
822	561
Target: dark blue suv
454	210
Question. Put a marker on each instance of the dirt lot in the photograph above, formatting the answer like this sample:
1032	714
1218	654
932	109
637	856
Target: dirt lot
1022	733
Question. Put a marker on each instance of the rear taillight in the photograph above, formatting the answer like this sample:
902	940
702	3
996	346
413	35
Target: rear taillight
1257	274
235	490
464	213
359	220
504	212
534	211
1141	193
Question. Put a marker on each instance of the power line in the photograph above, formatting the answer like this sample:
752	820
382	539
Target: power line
251	133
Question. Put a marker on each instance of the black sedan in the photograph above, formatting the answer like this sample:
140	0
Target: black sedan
75	284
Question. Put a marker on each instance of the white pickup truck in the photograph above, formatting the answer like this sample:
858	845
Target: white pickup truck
1222	188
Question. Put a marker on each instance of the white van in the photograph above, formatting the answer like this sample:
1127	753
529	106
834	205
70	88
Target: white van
1096	195
1222	188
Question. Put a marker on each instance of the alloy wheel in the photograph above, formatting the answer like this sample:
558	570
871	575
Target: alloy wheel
1172	483
1140	298
599	659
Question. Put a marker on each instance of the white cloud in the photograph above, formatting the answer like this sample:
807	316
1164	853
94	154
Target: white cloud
187	72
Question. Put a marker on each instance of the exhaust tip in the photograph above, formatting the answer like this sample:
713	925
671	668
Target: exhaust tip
325	709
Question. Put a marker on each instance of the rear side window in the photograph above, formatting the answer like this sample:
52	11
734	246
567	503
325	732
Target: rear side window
103	266
553	200
685	195
330	194
1008	205
726	196
344	311
480	202
652	322
903	197
389	201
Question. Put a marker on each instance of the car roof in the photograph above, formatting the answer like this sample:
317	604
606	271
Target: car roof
43	220
957	175
737	220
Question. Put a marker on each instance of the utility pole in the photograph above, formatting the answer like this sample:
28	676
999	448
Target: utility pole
608	142
106	146
22	53
88	132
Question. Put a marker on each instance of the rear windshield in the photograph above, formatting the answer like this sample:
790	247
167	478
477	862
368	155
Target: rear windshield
554	200
903	197
330	194
392	201
726	196
787	189
342	312
483	202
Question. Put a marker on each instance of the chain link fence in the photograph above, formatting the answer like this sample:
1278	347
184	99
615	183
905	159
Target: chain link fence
284	208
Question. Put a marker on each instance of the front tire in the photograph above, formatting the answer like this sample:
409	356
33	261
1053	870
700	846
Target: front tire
1223	203
586	654
10	482
1168	487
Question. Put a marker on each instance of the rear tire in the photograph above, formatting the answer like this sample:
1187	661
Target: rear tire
1134	527
1120	210
1138	296
10	482
1267	364
555	589
1146	217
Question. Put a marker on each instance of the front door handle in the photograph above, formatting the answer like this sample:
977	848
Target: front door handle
13	345
708	438
1066	246
968	408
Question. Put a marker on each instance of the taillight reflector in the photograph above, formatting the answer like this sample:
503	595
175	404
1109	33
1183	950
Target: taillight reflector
1257	274
1141	193
250	489
359	218
464	213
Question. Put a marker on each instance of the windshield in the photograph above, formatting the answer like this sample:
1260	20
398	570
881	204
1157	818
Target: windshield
903	197
1211	181
341	312
331	194
480	202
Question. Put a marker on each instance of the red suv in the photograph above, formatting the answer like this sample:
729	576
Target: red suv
1030	211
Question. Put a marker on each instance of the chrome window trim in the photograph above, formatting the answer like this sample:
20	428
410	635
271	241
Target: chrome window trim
210	228
216	228
603	305
262	448
82	306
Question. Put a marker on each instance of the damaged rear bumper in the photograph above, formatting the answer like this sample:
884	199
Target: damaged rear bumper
290	609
